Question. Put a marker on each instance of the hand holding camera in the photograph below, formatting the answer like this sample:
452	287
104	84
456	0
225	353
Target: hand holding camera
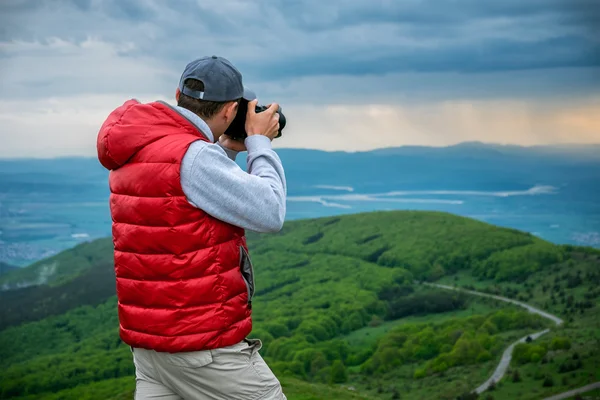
264	123
253	119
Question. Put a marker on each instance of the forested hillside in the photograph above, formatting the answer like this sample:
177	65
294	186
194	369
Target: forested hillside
62	267
339	312
4	268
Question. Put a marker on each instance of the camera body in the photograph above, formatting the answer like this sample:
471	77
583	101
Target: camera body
237	129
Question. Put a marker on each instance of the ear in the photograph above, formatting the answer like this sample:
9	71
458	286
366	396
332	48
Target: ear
177	93
231	111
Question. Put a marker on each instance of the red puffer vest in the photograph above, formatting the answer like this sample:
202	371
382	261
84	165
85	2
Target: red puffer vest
183	277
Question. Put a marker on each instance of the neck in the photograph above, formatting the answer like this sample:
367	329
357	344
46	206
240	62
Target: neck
213	128
202	125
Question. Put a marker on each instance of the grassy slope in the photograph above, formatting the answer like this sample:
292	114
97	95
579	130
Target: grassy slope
122	389
91	287
323	272
369	334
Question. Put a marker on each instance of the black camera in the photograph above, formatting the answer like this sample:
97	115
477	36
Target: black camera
237	129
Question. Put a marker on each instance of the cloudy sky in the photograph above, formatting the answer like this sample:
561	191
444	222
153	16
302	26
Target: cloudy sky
350	75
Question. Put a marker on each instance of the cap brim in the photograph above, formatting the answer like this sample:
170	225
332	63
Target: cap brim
248	94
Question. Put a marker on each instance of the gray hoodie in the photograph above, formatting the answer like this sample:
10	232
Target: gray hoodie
212	181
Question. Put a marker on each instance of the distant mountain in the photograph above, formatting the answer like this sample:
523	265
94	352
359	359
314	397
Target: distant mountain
467	166
478	149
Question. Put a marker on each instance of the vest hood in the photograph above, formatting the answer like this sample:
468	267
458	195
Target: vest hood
131	127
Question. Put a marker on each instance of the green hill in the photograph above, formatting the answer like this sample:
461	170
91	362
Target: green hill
61	267
5	268
338	311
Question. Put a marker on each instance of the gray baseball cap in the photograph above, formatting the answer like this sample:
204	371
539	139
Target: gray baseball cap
222	81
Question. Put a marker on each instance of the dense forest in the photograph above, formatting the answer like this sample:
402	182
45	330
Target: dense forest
340	311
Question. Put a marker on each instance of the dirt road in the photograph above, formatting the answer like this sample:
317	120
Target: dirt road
507	355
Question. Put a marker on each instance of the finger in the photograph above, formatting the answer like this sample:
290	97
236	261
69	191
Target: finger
252	107
274	130
273	108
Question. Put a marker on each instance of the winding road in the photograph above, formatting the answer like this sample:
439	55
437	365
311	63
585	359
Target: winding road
507	355
529	308
573	392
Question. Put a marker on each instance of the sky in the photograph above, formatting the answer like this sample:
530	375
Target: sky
349	75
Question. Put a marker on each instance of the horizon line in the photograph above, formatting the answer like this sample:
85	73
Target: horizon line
565	145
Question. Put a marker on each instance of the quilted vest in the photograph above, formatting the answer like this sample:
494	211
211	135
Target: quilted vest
183	278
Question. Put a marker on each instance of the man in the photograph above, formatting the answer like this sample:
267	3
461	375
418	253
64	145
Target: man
180	205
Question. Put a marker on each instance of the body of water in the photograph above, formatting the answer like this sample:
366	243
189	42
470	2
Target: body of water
47	206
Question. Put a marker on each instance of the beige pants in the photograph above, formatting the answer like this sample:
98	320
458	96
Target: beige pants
236	372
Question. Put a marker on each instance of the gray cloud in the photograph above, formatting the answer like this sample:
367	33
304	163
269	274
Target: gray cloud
414	72
305	52
288	39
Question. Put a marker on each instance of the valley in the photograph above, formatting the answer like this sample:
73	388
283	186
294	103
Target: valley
340	314
507	355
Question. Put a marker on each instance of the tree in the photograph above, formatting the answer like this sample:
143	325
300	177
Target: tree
516	376
338	372
375	321
549	381
277	329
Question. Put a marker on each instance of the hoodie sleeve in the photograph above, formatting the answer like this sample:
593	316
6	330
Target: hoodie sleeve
253	200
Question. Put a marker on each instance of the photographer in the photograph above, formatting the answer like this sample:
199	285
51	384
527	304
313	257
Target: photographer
180	205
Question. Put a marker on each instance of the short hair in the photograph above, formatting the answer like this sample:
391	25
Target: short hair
203	108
